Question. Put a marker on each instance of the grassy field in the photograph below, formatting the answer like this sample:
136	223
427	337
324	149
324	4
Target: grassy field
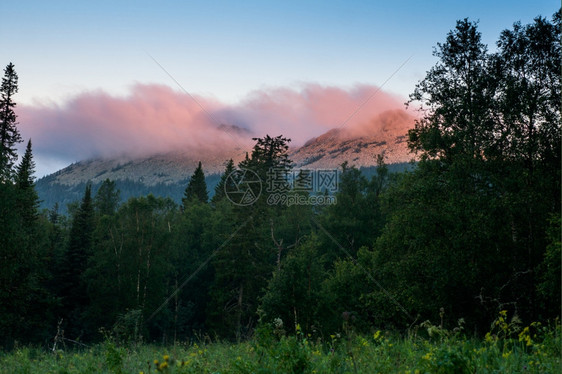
506	349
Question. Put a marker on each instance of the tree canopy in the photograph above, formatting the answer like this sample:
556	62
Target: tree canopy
471	230
196	188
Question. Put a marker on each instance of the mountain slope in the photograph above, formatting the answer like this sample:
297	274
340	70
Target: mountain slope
359	146
152	170
166	174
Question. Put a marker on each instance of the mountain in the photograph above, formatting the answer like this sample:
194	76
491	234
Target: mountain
164	175
167	174
385	134
165	168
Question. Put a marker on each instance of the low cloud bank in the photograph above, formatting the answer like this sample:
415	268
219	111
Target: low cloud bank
157	119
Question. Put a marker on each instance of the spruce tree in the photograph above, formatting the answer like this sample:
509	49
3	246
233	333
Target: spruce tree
22	249
20	266
224	183
9	134
28	201
243	267
197	188
107	198
75	264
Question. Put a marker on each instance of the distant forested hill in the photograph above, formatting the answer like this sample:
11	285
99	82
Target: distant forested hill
51	192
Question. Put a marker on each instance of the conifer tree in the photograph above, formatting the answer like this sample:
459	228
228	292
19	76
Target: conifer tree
222	186
243	267
197	188
75	264
9	134
107	198
28	201
22	249
19	264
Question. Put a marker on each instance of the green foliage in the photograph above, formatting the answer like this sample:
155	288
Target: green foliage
448	359
550	269
193	243
130	266
72	285
294	294
225	183
470	231
345	289
529	88
356	219
268	153
51	192
28	201
378	352
114	358
9	133
455	92
196	188
246	260
24	299
467	229
107	198
127	327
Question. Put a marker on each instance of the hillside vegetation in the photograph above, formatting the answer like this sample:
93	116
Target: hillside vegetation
452	266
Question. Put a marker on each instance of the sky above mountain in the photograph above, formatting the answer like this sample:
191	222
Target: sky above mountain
97	77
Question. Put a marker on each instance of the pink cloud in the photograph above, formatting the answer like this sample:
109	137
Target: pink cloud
156	119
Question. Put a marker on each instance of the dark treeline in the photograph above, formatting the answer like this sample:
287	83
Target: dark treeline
50	192
473	229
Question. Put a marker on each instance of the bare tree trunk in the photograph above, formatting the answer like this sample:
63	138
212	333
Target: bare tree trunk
295	309
176	309
117	252
239	316
278	244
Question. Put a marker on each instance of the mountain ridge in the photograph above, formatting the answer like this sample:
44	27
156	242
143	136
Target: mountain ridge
167	173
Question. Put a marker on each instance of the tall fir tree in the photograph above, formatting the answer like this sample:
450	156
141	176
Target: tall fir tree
269	153
9	134
107	198
73	288
225	183
22	236
247	261
197	188
28	201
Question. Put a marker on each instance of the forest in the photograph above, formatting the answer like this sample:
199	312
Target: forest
467	237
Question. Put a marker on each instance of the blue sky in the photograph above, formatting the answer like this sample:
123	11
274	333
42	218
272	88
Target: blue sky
226	49
220	51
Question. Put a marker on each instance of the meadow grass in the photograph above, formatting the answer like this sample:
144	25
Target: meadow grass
533	349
